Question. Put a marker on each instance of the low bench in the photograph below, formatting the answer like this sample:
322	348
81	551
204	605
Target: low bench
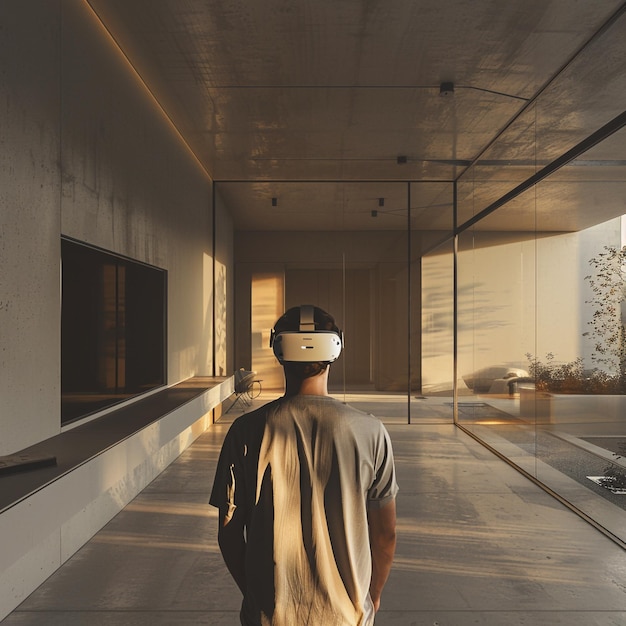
82	443
48	512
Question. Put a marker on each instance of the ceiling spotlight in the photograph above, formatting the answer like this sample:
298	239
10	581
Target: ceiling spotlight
401	159
446	89
274	201
381	202
374	213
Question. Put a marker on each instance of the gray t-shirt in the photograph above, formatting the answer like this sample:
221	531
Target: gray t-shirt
303	470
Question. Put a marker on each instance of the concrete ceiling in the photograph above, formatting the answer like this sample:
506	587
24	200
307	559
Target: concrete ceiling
312	102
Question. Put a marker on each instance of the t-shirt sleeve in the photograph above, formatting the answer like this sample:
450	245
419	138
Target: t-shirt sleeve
384	488
225	484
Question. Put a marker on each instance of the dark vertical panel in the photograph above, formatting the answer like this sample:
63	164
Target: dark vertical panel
113	337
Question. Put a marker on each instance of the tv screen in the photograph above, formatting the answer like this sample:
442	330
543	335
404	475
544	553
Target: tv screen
113	329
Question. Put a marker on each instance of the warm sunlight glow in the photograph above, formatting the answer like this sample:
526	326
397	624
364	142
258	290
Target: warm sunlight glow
267	300
153	541
220	320
173	508
141	81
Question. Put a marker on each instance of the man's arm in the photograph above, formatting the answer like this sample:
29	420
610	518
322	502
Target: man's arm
382	529
230	537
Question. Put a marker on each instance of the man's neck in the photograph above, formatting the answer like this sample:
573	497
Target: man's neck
313	386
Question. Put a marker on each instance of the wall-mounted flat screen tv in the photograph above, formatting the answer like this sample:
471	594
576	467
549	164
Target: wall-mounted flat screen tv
113	329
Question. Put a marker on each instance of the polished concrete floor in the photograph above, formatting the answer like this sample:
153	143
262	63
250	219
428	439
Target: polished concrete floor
477	544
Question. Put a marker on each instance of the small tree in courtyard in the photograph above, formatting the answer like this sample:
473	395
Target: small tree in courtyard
608	285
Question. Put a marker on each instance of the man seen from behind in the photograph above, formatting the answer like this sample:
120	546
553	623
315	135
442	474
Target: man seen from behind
305	488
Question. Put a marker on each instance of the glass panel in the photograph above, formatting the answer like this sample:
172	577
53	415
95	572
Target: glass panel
580	362
541	290
432	216
368	274
585	96
496	329
507	163
358	272
541	312
437	349
378	304
432	224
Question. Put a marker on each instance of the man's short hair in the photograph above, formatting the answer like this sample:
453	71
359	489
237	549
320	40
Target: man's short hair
290	321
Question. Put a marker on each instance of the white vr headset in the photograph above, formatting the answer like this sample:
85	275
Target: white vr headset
306	345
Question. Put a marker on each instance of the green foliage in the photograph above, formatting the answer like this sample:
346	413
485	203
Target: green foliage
571	377
608	285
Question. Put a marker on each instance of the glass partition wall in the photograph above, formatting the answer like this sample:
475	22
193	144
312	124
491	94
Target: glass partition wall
511	324
540	296
371	279
541	355
495	298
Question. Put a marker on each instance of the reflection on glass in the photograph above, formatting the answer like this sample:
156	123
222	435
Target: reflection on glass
437	322
507	163
541	339
437	340
373	281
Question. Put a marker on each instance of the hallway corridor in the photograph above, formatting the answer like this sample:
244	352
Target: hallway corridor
477	544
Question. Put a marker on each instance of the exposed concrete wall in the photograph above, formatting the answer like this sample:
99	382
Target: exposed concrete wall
131	186
29	223
86	152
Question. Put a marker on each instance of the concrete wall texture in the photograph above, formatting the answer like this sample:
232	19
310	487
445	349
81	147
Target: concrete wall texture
87	153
